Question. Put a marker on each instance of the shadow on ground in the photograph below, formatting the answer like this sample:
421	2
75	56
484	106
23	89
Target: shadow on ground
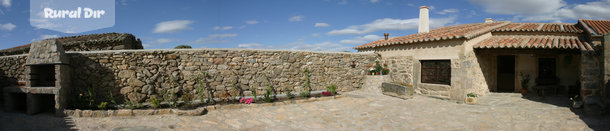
19	121
595	122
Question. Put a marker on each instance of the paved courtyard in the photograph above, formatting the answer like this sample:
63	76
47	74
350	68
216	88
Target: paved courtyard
357	111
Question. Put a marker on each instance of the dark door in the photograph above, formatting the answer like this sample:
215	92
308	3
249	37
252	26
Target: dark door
506	73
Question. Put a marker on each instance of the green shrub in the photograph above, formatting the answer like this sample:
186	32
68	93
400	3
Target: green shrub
187	98
471	95
183	47
103	105
332	89
306	93
155	103
267	96
289	94
129	104
254	94
112	98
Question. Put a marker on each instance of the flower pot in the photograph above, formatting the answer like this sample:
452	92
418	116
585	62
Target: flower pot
471	100
376	73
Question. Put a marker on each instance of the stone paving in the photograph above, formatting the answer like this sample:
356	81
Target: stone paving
359	110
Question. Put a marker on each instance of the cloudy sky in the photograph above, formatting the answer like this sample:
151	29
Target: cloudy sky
321	25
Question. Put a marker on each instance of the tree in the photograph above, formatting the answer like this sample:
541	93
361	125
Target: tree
183	47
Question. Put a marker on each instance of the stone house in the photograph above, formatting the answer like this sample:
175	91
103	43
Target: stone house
494	56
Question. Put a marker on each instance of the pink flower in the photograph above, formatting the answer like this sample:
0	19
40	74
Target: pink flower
241	99
248	101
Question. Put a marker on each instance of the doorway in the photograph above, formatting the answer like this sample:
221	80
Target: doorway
506	73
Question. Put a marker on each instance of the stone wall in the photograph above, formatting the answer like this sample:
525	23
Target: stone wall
139	74
12	69
467	75
401	68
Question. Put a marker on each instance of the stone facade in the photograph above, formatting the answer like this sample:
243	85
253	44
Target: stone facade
139	74
401	68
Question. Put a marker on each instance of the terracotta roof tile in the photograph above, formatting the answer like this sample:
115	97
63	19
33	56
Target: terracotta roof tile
533	42
601	27
541	27
444	33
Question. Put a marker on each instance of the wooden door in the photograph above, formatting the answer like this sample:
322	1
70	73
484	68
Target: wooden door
506	73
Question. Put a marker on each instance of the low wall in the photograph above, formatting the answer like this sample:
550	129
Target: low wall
12	69
139	74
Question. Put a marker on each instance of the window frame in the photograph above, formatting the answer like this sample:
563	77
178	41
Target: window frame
436	69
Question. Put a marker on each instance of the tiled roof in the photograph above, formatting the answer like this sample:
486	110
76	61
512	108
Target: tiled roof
533	42
444	33
542	27
601	27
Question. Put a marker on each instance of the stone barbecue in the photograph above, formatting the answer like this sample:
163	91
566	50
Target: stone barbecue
47	75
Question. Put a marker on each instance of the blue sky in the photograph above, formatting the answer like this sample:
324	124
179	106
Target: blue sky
321	25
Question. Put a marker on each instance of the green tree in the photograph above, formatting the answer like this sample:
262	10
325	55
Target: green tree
183	47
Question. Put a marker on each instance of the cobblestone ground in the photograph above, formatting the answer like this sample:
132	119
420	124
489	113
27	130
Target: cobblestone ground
357	111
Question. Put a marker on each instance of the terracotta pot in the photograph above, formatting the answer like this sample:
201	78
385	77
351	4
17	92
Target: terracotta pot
376	73
523	91
471	100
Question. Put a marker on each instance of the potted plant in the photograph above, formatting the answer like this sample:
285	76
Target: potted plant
525	79
471	98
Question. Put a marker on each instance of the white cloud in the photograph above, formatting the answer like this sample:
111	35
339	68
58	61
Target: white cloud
446	11
374	1
163	41
342	2
44	37
361	40
590	10
7	26
48	36
296	18
389	24
547	10
146	45
513	7
251	22
6	3
324	46
223	27
315	34
254	46
214	39
222	35
321	25
173	26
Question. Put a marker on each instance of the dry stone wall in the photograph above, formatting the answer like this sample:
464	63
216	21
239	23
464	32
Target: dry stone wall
12	69
139	74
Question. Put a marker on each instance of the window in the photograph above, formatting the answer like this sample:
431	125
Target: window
436	71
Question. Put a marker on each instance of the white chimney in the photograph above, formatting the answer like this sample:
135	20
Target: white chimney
487	20
424	22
